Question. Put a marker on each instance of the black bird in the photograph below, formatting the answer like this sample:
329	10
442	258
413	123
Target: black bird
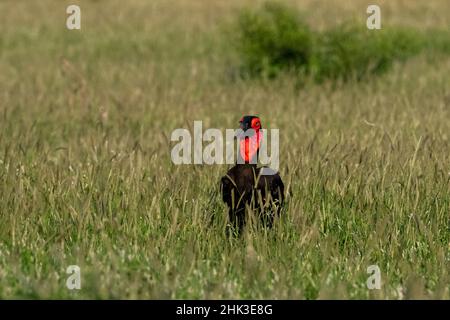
245	185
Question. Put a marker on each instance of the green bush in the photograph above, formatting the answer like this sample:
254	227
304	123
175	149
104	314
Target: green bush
274	38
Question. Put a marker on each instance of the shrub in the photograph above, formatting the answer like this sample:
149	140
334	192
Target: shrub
273	39
350	51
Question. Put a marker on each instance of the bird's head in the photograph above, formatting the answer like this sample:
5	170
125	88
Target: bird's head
251	137
250	122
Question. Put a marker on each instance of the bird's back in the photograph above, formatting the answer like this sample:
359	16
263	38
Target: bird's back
245	179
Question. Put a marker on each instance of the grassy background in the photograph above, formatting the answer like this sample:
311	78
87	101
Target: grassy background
86	176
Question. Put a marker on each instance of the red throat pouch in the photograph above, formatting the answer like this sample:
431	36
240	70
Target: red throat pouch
249	146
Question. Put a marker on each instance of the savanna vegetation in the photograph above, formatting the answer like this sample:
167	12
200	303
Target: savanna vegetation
85	171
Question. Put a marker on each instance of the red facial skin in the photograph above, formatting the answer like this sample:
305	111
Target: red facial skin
249	145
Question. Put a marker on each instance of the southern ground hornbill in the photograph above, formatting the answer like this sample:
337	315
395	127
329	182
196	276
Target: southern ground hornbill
247	186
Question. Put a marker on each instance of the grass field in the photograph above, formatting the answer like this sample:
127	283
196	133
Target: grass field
86	177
